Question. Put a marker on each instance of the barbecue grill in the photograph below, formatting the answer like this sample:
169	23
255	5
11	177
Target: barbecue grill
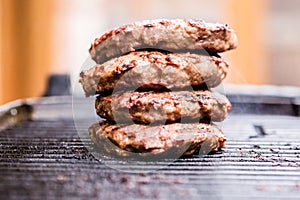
42	155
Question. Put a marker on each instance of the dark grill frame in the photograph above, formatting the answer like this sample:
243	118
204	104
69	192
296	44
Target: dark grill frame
45	157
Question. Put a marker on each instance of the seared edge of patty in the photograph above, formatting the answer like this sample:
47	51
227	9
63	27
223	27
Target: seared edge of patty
157	139
148	107
170	35
145	69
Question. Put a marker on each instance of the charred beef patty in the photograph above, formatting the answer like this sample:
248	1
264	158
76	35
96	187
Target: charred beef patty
171	35
145	69
157	139
148	107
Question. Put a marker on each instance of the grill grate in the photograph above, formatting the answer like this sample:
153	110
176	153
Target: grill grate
45	157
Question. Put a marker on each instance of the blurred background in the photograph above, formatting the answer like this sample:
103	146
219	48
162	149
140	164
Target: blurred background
43	37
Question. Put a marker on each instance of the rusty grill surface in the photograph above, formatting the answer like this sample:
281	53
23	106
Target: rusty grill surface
45	158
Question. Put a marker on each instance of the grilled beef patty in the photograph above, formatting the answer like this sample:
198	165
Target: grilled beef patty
171	35
145	69
157	139
148	107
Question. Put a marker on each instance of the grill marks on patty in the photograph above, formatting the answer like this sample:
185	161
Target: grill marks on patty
154	70
187	138
150	107
170	35
146	73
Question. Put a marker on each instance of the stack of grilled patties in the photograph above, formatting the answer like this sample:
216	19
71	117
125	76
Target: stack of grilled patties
152	84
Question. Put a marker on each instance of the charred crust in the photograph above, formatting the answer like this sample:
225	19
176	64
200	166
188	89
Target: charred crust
212	106
97	80
125	67
199	24
148	25
199	31
82	74
129	139
165	23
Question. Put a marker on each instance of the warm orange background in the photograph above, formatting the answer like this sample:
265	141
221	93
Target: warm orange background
42	37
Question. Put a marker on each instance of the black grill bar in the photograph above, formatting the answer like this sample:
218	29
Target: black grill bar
45	157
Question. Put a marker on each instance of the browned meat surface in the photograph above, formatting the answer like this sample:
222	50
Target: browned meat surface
171	35
154	69
187	138
148	107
